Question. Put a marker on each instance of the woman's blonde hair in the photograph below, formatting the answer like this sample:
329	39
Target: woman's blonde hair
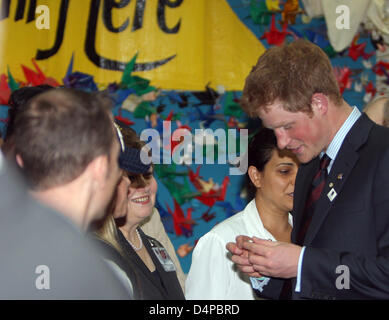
108	233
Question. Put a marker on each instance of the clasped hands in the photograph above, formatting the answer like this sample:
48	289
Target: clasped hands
257	257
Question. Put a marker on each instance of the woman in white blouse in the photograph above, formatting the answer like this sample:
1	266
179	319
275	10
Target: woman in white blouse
271	173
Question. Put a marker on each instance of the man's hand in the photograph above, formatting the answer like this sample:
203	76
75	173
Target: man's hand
272	258
240	256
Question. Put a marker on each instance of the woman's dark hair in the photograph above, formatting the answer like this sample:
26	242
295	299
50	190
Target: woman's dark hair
131	138
260	150
261	147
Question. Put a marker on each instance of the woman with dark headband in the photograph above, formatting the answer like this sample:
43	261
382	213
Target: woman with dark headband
149	267
271	175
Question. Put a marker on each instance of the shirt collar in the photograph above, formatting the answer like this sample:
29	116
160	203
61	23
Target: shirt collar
337	141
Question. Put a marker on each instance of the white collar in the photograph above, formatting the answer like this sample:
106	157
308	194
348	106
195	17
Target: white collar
254	223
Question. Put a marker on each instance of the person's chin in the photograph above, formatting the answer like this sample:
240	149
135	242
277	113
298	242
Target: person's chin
289	205
299	152
145	210
304	157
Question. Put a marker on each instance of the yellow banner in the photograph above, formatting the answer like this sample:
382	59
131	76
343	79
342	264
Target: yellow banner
181	44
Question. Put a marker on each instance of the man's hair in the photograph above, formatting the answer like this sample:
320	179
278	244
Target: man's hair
58	133
17	101
290	73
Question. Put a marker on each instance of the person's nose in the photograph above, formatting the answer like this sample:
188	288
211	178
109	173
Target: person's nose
293	179
282	138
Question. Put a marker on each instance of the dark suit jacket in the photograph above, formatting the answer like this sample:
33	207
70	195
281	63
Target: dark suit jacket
167	288
351	232
109	252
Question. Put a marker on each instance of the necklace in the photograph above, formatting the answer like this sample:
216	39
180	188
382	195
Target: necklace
140	242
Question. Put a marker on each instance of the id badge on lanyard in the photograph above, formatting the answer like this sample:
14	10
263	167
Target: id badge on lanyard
163	257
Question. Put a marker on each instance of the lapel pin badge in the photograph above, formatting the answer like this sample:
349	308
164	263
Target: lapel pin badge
340	176
332	194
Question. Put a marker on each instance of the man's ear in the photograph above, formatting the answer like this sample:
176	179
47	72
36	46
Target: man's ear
99	169
320	103
255	176
19	161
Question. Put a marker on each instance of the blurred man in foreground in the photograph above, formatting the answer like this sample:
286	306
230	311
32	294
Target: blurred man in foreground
66	146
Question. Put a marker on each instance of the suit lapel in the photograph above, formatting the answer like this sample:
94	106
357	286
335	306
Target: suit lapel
341	169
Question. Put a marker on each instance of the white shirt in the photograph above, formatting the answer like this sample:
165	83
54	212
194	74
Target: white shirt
212	274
